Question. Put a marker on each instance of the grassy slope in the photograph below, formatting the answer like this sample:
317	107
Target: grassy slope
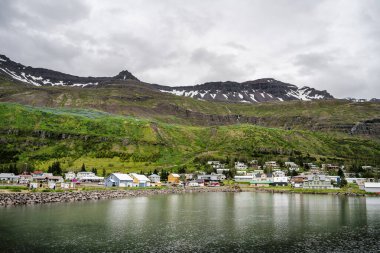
39	136
136	99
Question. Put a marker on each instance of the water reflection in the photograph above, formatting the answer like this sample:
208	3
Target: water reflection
208	222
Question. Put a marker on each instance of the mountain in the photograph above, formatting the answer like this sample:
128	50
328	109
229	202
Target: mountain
46	77
261	90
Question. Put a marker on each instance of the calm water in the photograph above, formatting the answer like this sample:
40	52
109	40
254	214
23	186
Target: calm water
202	222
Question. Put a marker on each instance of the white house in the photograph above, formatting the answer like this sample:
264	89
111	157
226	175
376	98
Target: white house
8	177
154	178
140	180
85	176
246	178
70	175
240	166
119	180
25	179
372	187
278	173
212	177
292	166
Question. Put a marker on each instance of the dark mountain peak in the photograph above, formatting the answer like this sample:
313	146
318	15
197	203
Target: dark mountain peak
47	77
125	75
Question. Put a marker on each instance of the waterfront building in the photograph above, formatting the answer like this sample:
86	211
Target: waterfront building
85	176
372	187
140	180
70	175
317	181
154	178
9	177
173	178
119	180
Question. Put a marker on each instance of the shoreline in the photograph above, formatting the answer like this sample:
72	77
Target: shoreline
307	191
33	198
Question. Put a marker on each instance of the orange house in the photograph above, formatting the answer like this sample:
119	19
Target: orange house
173	178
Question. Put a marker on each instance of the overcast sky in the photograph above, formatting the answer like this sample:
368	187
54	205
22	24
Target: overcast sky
332	45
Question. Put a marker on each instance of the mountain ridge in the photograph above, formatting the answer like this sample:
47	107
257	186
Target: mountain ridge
47	77
254	91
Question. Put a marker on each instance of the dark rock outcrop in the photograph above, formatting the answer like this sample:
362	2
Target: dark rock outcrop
47	77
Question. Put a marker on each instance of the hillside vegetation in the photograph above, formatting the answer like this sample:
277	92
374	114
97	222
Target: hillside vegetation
140	100
38	136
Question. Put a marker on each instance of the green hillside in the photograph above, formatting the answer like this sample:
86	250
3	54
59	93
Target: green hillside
38	136
140	100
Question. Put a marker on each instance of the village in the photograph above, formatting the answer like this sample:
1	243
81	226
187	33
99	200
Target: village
250	174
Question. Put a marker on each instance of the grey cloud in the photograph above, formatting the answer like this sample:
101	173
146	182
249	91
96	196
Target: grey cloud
333	45
218	67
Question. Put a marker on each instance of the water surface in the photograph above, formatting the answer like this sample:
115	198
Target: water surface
199	222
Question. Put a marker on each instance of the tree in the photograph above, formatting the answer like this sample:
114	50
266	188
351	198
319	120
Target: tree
164	175
343	181
155	171
83	169
94	170
55	169
104	172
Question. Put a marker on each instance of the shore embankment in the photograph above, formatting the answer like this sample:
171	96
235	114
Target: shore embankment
30	198
306	191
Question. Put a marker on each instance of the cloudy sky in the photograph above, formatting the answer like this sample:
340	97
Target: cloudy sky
332	45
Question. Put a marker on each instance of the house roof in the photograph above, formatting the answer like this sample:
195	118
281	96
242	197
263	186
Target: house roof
122	176
139	177
154	175
175	175
7	175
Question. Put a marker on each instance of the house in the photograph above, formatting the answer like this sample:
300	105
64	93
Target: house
193	184
37	173
25	179
283	181
173	178
85	176
119	180
292	166
246	178
154	178
55	179
41	177
9	177
70	175
317	181
271	164
358	180
372	187
140	180
212	177
221	171
278	173
240	166
335	179
297	181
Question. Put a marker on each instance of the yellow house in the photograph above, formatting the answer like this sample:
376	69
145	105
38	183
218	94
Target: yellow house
173	178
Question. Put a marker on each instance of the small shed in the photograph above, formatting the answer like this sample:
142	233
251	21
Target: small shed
372	187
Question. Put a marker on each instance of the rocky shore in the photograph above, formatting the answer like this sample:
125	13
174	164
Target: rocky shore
304	192
30	198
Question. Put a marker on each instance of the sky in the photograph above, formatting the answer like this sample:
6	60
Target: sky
328	45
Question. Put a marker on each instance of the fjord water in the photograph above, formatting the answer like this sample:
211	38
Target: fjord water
199	222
